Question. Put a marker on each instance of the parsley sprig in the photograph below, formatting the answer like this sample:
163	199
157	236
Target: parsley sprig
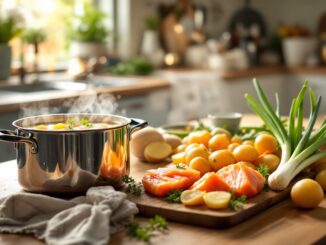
144	233
132	186
264	171
237	203
174	196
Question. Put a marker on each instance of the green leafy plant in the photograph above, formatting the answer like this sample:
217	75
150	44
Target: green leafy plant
152	22
10	27
34	35
135	66
144	233
88	27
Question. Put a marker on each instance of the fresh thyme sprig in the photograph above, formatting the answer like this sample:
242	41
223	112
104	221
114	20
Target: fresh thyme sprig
133	187
264	171
144	233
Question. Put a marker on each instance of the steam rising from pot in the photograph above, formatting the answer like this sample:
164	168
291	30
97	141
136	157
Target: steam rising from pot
89	103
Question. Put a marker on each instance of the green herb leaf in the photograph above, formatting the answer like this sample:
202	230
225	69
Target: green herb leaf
174	196
85	122
144	233
263	170
71	123
237	203
133	187
181	165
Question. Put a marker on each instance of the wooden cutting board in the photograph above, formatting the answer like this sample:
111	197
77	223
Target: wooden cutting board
149	205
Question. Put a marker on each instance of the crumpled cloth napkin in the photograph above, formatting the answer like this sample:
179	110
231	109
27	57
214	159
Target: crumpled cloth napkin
86	219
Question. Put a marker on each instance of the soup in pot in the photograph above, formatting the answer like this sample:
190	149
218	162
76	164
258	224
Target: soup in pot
73	124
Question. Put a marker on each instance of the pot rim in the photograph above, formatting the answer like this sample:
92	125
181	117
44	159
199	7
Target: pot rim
123	121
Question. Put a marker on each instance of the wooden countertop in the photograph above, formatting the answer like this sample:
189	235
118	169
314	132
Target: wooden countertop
281	224
17	101
255	71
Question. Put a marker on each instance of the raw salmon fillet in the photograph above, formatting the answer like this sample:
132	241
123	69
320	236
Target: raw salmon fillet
161	181
210	182
242	180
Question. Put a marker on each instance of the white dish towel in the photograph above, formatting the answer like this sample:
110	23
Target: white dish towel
86	219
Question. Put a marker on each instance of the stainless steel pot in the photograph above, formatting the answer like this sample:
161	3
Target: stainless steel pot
71	160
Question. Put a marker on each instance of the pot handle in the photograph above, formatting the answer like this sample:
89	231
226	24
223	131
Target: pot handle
137	124
11	136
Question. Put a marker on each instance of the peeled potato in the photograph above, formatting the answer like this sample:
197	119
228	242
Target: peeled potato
173	140
157	151
143	138
217	199
192	197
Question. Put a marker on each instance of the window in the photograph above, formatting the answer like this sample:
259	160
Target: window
53	16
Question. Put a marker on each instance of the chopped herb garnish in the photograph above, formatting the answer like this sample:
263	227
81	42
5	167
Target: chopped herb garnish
133	187
71	123
144	233
181	165
85	122
237	203
174	196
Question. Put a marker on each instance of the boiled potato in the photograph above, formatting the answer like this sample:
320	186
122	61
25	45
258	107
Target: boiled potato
173	140
269	160
217	199
157	151
192	197
307	193
321	179
218	130
143	138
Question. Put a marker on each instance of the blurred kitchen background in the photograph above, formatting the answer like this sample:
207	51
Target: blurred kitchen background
166	61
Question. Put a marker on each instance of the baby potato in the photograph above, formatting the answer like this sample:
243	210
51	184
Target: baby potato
192	197
307	193
218	130
220	159
178	157
181	148
265	144
269	160
217	199
200	164
321	179
245	153
199	137
59	126
232	146
236	139
248	142
219	142
199	151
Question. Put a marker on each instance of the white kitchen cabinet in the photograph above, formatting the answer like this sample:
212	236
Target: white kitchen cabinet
195	94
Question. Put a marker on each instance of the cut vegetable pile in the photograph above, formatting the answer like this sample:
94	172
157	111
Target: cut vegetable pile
212	167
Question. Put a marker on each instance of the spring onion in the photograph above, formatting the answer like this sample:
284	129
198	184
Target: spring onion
299	148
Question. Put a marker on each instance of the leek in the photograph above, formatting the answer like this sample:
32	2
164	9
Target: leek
299	148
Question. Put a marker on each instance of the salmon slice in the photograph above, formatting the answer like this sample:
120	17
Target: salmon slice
161	186
242	180
210	182
171	171
161	181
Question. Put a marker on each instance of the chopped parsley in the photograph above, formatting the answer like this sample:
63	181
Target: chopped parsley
237	203
174	196
133	187
181	165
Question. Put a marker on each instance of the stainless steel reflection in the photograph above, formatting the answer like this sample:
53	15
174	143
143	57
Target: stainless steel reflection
71	161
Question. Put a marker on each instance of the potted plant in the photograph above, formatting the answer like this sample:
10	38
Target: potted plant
34	36
10	27
151	48
88	33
